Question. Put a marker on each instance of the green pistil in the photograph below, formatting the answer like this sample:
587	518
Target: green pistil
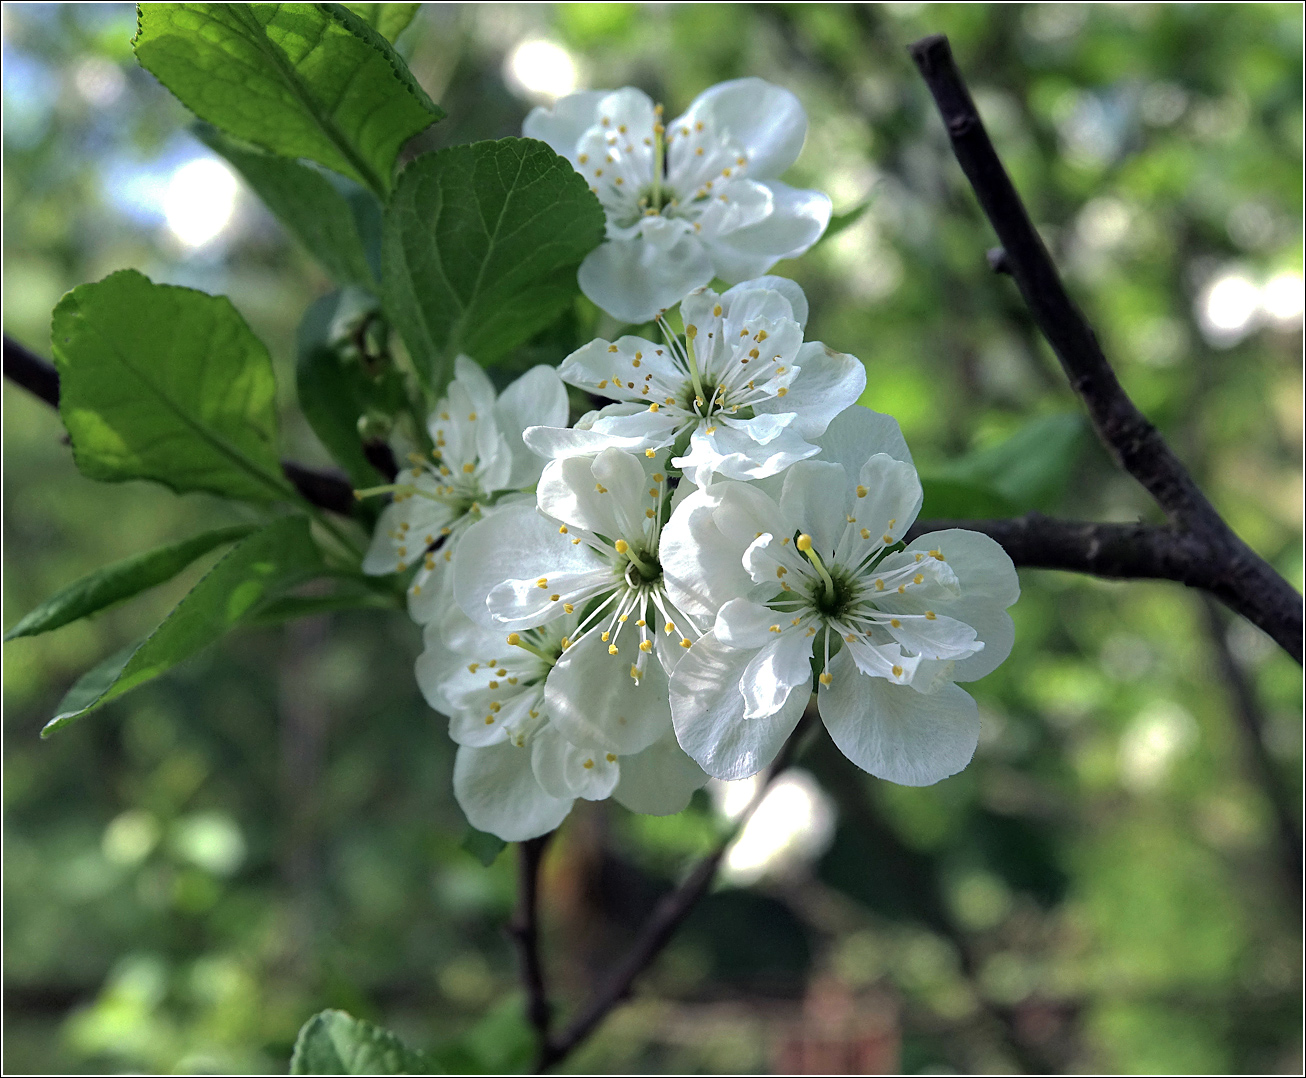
516	641
700	398
804	544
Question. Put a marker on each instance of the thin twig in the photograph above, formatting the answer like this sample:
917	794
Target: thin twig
1231	570
670	912
325	488
1251	725
524	928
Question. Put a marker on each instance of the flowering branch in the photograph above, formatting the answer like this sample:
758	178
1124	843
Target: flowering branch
662	923
1212	556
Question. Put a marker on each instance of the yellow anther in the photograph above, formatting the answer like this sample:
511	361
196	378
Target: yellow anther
895	623
684	642
804	542
417	589
649	453
635	672
612	649
605	637
691	331
471	416
698	152
566	643
851	520
826	679
489	720
543	582
612	348
588	764
621	546
554	598
918	579
879	585
652	492
897	671
658	477
930	615
513	639
919	556
494	684
568	608
866	533
562	529
646	645
611	758
775	628
603	384
649	513
780	571
752	353
902	588
653	407
711	430
887	538
850	639
468	469
862	492
624	618
473	667
495	706
583	158
781	391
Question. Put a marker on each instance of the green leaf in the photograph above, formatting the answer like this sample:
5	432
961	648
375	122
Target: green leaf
166	383
483	846
958	499
301	80
317	207
121	581
335	390
334	1042
388	20
840	221
1031	468
292	607
261	566
481	248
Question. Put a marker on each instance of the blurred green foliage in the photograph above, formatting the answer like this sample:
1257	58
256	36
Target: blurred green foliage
270	830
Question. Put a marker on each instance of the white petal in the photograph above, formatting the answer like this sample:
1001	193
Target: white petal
815	497
766	121
633	279
828	382
593	700
935	638
775	672
707	707
566	771
734	205
537	398
892	499
858	433
894	732
424	517
498	793
563	123
477	724
702	546
796	222
606	367
437	666
791	290
511	541
553	443
658	781
731	451
471	377
744	624
525	602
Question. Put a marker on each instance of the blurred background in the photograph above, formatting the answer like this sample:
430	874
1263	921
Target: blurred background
1112	885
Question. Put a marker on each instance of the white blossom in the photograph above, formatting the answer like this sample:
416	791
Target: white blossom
819	572
689	200
477	464
515	774
741	395
595	556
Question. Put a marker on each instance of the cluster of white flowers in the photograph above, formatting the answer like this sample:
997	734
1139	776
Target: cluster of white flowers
630	605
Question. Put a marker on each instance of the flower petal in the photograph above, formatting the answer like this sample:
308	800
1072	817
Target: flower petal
728	448
775	672
707	708
892	499
616	369
562	124
634	279
796	222
658	781
517	539
858	433
894	732
828	382
766	121
566	771
498	793
537	398
593	700
815	498
744	624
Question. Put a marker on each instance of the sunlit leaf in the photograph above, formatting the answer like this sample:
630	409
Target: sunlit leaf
481	247
166	383
301	80
122	580
334	1042
259	567
388	20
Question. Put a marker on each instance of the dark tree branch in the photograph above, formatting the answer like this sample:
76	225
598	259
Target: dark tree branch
1231	570
1251	725
524	928
669	914
327	488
